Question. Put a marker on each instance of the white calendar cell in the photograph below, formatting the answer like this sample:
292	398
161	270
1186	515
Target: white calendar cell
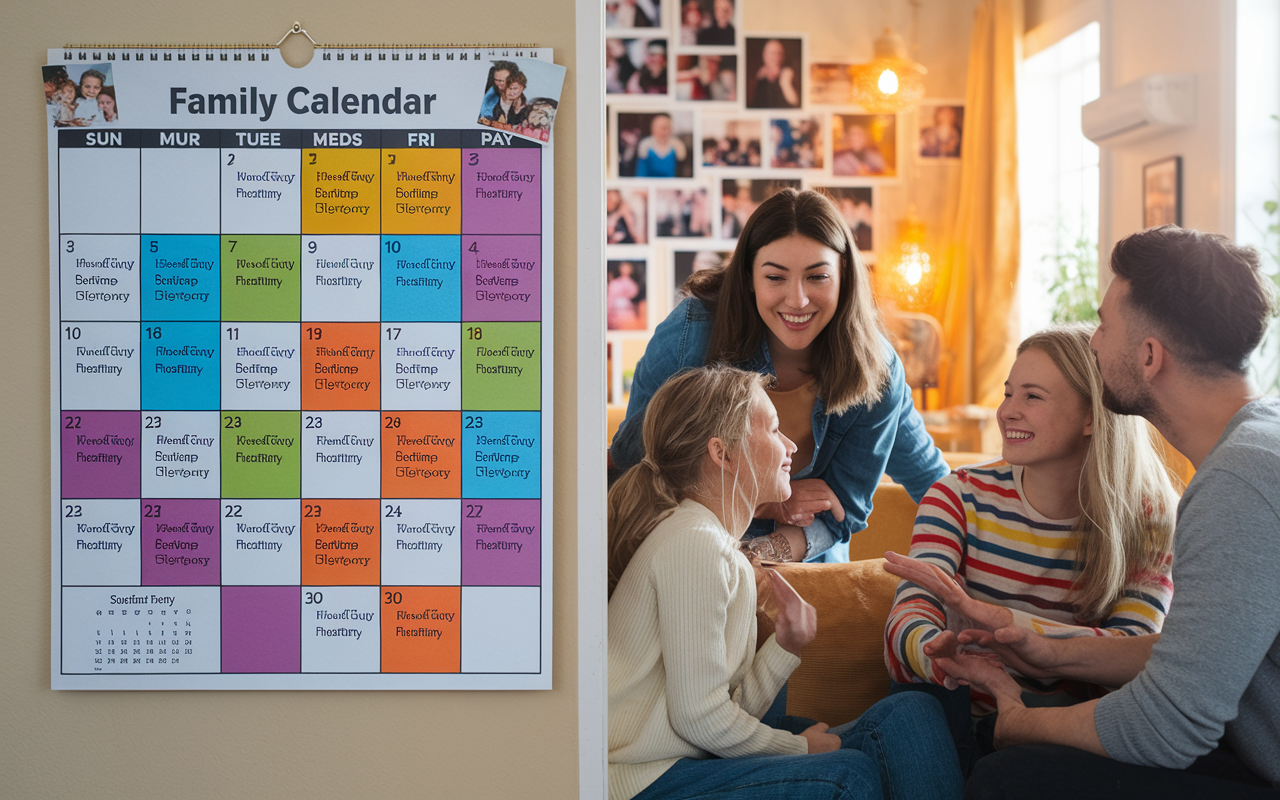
100	277
98	189
422	366
421	542
100	543
340	454
501	628
261	542
180	456
180	186
126	629
340	629
261	366
261	191
340	279
101	365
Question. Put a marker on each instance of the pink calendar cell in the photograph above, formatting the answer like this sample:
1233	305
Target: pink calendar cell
101	453
501	278
501	542
501	190
260	629
181	543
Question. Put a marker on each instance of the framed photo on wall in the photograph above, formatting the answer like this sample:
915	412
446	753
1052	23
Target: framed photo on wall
1162	192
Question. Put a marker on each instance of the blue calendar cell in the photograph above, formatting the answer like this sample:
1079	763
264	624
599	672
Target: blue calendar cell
180	278
180	366
501	454
421	278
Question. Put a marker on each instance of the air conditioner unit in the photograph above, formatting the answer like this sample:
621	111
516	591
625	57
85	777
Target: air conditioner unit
1148	106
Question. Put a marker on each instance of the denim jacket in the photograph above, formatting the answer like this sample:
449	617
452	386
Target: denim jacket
851	450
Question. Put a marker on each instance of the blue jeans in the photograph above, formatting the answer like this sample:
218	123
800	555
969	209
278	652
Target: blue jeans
898	750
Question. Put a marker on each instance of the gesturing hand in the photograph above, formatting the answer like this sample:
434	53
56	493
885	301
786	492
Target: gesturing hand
987	674
1026	651
797	621
966	611
808	497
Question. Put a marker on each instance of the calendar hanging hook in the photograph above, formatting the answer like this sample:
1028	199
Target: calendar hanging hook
297	28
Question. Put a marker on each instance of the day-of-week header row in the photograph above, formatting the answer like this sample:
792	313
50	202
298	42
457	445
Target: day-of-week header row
219	138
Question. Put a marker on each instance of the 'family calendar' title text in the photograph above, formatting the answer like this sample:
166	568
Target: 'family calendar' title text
299	100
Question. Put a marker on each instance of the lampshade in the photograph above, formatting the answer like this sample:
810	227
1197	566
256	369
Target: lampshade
891	81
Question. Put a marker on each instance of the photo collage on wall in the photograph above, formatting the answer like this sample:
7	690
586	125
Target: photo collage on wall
705	123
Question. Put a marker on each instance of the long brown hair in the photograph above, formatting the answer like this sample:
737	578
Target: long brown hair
849	358
687	412
1127	500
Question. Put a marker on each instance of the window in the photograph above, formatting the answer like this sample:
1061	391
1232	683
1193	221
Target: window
1058	179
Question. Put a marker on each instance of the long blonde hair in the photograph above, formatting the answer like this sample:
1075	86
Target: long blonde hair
688	411
1127	498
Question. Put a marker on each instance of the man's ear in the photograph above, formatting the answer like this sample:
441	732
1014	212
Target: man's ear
1152	358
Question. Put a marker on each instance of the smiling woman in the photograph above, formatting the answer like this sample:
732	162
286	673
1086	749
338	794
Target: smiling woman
794	302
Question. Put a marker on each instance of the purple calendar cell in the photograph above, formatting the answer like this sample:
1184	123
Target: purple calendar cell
181	543
501	278
260	628
501	191
501	542
101	453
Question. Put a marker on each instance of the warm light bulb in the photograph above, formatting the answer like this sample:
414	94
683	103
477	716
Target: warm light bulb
888	82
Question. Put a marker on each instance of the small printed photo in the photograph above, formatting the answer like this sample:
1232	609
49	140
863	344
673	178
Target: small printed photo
683	213
521	96
708	77
687	262
627	216
941	129
654	144
1162	192
864	145
635	66
632	14
626	306
80	95
774	76
796	143
708	22
830	84
732	141
739	198
855	206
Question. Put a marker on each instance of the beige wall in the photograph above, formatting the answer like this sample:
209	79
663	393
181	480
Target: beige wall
254	744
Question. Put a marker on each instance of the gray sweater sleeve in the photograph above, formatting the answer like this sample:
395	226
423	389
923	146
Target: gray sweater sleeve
1216	638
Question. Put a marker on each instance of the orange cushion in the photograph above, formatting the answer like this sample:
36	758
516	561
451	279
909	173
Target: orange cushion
841	672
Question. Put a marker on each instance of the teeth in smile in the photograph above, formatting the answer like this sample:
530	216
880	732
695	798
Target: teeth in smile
797	319
1017	435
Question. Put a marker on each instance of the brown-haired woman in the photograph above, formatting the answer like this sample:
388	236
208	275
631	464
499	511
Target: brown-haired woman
687	684
795	302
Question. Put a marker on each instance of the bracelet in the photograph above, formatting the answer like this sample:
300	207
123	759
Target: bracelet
773	547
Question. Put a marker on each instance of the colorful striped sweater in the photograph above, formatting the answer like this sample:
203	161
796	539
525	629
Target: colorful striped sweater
977	525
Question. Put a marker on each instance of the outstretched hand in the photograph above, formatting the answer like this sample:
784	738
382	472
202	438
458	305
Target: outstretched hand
1024	650
808	497
966	612
797	621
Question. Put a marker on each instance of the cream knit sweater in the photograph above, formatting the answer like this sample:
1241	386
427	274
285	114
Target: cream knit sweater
685	679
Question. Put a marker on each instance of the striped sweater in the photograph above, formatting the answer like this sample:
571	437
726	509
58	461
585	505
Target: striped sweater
977	525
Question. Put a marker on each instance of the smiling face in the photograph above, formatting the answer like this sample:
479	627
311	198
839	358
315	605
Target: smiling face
500	79
768	451
107	104
796	282
1123	390
90	85
773	54
513	91
1042	419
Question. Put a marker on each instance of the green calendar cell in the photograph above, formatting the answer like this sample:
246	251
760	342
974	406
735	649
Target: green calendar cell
261	454
262	278
501	366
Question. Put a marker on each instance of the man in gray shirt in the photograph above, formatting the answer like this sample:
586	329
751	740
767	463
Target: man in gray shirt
1197	713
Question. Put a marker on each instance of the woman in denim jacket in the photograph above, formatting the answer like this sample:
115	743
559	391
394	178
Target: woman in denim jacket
795	302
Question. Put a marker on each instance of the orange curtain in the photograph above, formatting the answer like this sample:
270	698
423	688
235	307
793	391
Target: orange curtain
979	313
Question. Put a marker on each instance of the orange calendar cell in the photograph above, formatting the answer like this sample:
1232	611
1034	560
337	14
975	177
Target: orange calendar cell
421	191
340	366
421	628
421	454
341	545
340	190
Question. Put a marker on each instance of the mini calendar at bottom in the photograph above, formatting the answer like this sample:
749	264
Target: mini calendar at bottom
301	343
